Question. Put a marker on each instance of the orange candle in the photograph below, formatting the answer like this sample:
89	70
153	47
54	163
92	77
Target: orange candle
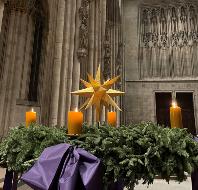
30	117
111	119
175	116
75	121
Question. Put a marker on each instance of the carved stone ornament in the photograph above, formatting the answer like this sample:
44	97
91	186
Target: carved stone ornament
83	31
107	53
119	65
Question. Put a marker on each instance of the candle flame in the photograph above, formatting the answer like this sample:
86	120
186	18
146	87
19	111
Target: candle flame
32	109
174	104
76	109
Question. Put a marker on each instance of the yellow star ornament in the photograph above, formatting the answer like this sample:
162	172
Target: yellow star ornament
98	94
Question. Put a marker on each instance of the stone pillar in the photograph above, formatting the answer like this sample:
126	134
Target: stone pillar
10	83
71	55
70	72
76	64
83	49
43	94
63	108
90	112
18	57
97	31
103	21
6	69
57	62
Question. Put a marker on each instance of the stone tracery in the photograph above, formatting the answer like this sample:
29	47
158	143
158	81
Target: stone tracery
168	41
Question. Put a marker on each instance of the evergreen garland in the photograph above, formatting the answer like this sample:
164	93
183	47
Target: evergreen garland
128	153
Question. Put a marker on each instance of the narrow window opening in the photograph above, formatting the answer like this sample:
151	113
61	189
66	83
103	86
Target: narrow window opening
185	101
36	59
163	103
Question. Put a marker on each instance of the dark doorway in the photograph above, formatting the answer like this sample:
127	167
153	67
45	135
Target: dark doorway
185	101
163	103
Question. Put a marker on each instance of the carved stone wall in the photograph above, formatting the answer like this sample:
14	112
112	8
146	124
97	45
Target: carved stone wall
168	40
160	54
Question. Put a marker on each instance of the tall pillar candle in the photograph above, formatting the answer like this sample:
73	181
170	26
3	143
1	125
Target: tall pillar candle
175	116
111	118
75	121
30	117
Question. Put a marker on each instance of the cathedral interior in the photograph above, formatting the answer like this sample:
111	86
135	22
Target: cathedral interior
47	46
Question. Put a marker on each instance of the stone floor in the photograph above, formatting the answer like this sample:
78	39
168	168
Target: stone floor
158	184
2	174
162	185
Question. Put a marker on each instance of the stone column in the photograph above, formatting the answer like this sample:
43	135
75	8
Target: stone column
76	64
57	62
102	25
84	15
63	108
13	67
17	65
90	114
43	94
96	46
70	58
48	63
6	69
70	72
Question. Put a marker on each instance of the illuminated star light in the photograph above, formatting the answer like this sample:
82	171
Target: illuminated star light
98	94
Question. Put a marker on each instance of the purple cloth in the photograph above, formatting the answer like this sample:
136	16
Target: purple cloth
63	167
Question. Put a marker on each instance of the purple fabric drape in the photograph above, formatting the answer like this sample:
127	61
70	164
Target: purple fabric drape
63	167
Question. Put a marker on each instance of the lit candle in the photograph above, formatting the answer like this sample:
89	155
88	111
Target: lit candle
175	116
111	118
30	117
75	121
